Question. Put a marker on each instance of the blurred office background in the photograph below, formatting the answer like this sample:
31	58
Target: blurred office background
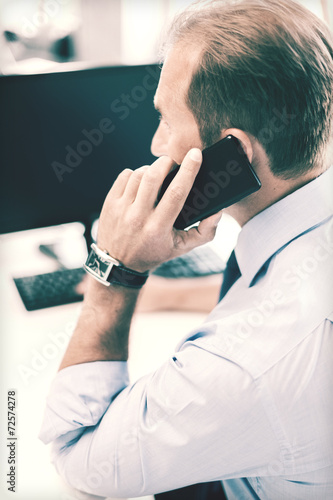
35	33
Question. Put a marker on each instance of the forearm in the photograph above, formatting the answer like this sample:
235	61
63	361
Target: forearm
103	327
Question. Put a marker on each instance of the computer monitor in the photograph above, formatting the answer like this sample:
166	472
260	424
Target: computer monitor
66	136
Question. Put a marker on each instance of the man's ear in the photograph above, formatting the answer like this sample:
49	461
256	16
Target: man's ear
243	138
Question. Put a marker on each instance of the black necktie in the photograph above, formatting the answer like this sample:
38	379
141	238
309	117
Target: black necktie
230	276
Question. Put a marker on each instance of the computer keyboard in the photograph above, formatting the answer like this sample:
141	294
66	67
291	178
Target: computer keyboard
59	287
201	261
50	289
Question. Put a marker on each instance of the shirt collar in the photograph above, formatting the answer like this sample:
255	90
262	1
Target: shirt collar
277	225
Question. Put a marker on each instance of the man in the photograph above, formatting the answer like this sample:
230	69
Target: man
246	397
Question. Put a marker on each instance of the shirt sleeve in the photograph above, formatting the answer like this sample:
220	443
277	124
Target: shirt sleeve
197	418
80	395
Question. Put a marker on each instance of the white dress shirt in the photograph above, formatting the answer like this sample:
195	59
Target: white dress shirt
247	396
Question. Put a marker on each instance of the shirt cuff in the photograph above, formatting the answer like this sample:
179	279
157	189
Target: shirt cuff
80	395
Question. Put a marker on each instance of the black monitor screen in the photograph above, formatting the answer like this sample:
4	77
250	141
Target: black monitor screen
66	136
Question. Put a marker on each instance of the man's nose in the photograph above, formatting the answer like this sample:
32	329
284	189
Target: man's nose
159	143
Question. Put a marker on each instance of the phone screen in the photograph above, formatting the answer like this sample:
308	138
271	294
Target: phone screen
225	177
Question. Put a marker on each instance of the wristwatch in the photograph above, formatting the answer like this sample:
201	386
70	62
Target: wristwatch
108	270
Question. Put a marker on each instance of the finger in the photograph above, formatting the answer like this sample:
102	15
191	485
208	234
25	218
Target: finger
152	181
175	196
133	184
199	235
120	183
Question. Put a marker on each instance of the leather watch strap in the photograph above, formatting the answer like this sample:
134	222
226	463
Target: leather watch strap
127	277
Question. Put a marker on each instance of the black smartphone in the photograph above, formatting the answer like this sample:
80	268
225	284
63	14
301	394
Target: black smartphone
225	177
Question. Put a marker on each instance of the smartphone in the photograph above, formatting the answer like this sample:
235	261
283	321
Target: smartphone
225	177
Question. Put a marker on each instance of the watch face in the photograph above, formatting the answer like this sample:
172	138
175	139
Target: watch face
98	264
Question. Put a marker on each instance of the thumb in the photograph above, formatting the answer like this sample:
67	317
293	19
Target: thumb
204	232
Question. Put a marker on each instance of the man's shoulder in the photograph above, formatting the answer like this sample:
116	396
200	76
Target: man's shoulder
257	326
305	264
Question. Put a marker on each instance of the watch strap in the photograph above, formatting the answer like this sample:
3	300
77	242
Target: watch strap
124	276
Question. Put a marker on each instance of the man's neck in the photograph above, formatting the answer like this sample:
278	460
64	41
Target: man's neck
273	189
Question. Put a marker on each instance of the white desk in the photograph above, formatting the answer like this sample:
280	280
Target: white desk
32	345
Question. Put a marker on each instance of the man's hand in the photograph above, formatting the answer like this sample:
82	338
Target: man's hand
139	233
141	236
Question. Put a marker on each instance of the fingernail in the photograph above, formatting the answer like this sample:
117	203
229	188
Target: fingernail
195	154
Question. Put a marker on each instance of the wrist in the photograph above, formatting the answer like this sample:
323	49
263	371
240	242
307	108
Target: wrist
109	271
101	296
